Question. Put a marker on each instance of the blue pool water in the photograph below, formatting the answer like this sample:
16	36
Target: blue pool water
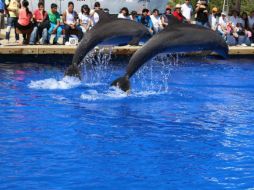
184	126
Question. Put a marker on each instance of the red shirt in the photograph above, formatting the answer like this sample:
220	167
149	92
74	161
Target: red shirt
39	16
178	15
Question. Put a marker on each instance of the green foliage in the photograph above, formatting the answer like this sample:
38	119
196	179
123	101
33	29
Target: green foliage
246	5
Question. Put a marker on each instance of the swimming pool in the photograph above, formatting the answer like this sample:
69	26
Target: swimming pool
187	125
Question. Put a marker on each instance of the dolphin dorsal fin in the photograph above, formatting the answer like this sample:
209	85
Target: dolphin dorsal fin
103	16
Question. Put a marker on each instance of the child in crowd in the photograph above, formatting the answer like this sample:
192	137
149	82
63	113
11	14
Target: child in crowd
25	24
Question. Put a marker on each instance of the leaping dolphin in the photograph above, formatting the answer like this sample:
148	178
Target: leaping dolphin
176	37
109	29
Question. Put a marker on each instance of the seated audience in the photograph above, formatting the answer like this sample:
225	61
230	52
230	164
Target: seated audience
124	13
41	25
55	28
244	22
134	16
177	13
156	20
202	13
94	16
70	19
165	17
213	19
25	25
12	7
234	18
146	20
222	25
251	26
85	19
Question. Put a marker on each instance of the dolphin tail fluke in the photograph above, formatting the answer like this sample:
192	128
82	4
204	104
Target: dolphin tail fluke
123	83
73	71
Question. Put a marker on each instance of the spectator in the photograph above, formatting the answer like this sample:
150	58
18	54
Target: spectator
13	7
251	26
85	19
222	25
187	10
55	28
234	18
177	13
41	25
70	19
2	8
94	16
242	35
202	13
244	20
213	19
146	20
156	20
124	13
165	17
134	16
25	25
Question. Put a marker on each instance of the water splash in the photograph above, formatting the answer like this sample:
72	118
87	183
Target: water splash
151	81
51	83
96	67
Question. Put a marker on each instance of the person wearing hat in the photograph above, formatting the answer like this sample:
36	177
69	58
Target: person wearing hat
202	13
177	13
187	10
165	17
222	25
213	19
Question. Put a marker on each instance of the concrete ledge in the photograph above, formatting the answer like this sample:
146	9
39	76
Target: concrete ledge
70	50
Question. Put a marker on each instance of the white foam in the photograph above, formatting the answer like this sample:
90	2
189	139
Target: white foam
66	83
111	94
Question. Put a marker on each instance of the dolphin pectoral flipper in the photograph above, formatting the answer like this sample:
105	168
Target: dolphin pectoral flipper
73	71
123	83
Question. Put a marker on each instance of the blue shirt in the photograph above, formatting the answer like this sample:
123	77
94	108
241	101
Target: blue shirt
145	21
2	5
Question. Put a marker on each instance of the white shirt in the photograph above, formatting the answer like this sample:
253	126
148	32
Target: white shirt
156	21
70	17
223	22
251	22
187	11
234	20
213	21
95	17
120	15
85	19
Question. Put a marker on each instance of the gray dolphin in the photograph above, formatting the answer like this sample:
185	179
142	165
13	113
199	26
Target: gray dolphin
177	37
109	29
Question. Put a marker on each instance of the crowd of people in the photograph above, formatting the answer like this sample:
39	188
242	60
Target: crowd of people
38	27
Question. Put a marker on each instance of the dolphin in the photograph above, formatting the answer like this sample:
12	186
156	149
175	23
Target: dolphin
176	37
108	30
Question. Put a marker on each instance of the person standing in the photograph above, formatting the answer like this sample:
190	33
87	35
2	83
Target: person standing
70	19
213	19
202	14
25	24
12	7
187	10
55	28
2	8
